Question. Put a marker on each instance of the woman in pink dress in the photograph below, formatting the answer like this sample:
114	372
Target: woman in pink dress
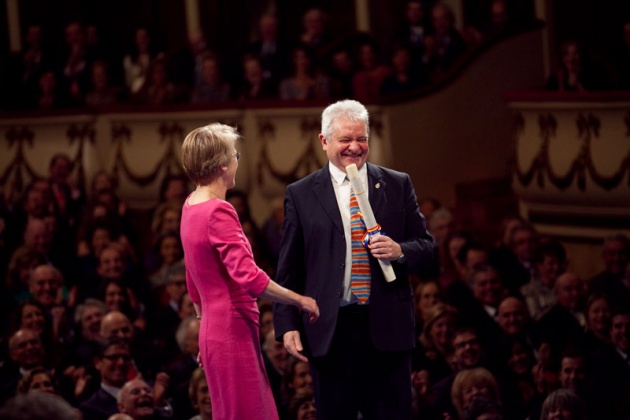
223	280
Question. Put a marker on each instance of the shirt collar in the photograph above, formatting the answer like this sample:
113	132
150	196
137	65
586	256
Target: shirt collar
111	390
339	176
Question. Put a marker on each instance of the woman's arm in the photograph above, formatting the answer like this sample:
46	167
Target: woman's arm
276	293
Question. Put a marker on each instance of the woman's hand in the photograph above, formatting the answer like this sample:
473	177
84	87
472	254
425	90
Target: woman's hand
309	305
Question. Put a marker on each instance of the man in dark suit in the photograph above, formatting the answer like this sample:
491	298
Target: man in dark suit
360	348
113	364
610	370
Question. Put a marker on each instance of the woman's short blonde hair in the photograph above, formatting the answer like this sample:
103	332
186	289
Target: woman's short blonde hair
434	313
206	149
478	377
197	376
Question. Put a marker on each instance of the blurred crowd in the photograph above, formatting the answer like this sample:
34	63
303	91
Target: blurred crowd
96	312
315	65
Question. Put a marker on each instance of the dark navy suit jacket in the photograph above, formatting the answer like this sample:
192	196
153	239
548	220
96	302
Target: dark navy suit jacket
313	255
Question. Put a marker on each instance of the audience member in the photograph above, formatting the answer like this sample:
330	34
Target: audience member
426	295
434	352
26	353
404	78
515	262
306	81
563	324
369	77
563	404
253	85
471	383
38	379
159	88
315	32
137	62
616	256
610	372
550	260
200	396
41	405
75	63
341	72
211	87
574	73
302	406
598	312
271	49
449	42
103	92
413	32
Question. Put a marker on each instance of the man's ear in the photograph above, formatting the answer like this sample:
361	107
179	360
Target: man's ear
323	141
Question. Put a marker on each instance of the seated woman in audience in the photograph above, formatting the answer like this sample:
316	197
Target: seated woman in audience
118	297
434	352
297	376
574	74
200	396
598	313
306	82
50	95
471	383
426	295
302	406
38	379
211	87
137	62
167	250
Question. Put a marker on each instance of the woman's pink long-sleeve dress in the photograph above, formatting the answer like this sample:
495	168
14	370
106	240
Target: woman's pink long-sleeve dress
223	278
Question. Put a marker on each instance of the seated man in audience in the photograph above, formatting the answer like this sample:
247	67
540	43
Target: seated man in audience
468	353
165	318
146	356
564	324
275	357
616	256
550	260
181	369
470	256
514	262
26	352
113	362
137	400
610	373
481	311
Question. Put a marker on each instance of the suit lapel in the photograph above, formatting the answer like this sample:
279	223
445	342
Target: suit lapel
325	194
377	188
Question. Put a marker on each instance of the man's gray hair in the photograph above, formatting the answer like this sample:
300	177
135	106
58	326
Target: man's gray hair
182	330
89	302
176	269
347	108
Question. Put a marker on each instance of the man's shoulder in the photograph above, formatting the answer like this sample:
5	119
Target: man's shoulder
385	172
309	179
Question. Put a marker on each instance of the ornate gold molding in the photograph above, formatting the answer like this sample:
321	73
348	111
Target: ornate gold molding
588	128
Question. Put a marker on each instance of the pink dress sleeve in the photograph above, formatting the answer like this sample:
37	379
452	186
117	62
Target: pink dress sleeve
192	289
227	237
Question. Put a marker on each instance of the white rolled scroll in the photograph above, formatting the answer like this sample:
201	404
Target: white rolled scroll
368	215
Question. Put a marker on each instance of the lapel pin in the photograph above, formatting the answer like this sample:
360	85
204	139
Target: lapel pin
378	185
